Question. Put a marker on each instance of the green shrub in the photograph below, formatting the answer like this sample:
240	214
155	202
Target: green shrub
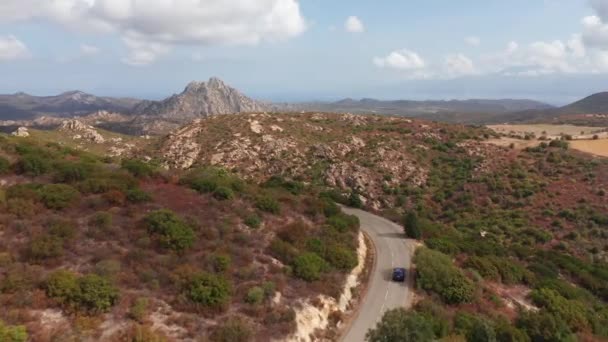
45	247
309	266
12	333
5	165
411	226
108	268
138	196
223	193
221	262
20	207
255	295
293	187
34	165
209	290
268	204
542	326
171	231
283	251
139	168
436	273
572	312
89	293
233	330
58	196
341	257
68	172
210	179
401	325
101	220
253	221
354	200
343	222
139	309
96	293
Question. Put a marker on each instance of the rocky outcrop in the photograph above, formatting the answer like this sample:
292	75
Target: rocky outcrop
82	131
21	132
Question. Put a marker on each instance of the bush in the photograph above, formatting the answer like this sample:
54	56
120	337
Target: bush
283	251
139	168
209	290
233	330
68	172
171	231
253	221
12	333
411	226
309	266
45	246
58	196
401	325
90	292
138	196
341	257
5	165
20	207
436	273
343	222
139	309
96	293
255	295
223	193
542	326
354	200
34	165
101	220
221	262
268	204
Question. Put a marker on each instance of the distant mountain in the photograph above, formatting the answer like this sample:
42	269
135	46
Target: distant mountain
451	111
22	106
596	104
200	100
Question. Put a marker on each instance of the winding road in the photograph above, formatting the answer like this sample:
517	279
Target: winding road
392	250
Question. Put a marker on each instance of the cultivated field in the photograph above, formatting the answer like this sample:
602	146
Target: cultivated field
597	147
545	130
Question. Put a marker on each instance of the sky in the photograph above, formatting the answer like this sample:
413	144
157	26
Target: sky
303	50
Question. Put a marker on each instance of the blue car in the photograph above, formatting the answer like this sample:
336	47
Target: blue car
399	274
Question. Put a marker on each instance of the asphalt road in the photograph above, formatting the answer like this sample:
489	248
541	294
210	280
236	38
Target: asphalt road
393	250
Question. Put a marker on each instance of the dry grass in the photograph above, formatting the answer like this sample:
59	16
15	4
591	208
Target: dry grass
545	129
596	147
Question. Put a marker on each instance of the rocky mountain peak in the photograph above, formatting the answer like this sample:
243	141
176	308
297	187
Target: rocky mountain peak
199	100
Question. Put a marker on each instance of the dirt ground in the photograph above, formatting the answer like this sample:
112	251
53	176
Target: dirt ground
518	144
597	147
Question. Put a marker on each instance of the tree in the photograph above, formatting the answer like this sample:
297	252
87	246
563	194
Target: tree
171	231
411	225
399	325
309	266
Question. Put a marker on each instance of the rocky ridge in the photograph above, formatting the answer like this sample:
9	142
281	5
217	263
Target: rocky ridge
350	152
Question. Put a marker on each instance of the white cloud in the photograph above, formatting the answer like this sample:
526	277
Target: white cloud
354	25
89	50
601	7
459	65
595	32
157	25
401	60
473	41
12	48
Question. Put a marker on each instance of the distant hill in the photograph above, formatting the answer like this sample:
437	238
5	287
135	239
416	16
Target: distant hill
466	111
21	106
596	104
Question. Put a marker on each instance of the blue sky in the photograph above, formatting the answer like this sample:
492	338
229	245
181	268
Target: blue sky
288	50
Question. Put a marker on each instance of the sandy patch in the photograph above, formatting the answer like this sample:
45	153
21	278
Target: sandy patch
547	130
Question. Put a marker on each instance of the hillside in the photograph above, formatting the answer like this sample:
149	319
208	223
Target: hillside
513	237
93	249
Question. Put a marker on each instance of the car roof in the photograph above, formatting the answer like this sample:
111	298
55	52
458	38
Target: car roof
398	269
